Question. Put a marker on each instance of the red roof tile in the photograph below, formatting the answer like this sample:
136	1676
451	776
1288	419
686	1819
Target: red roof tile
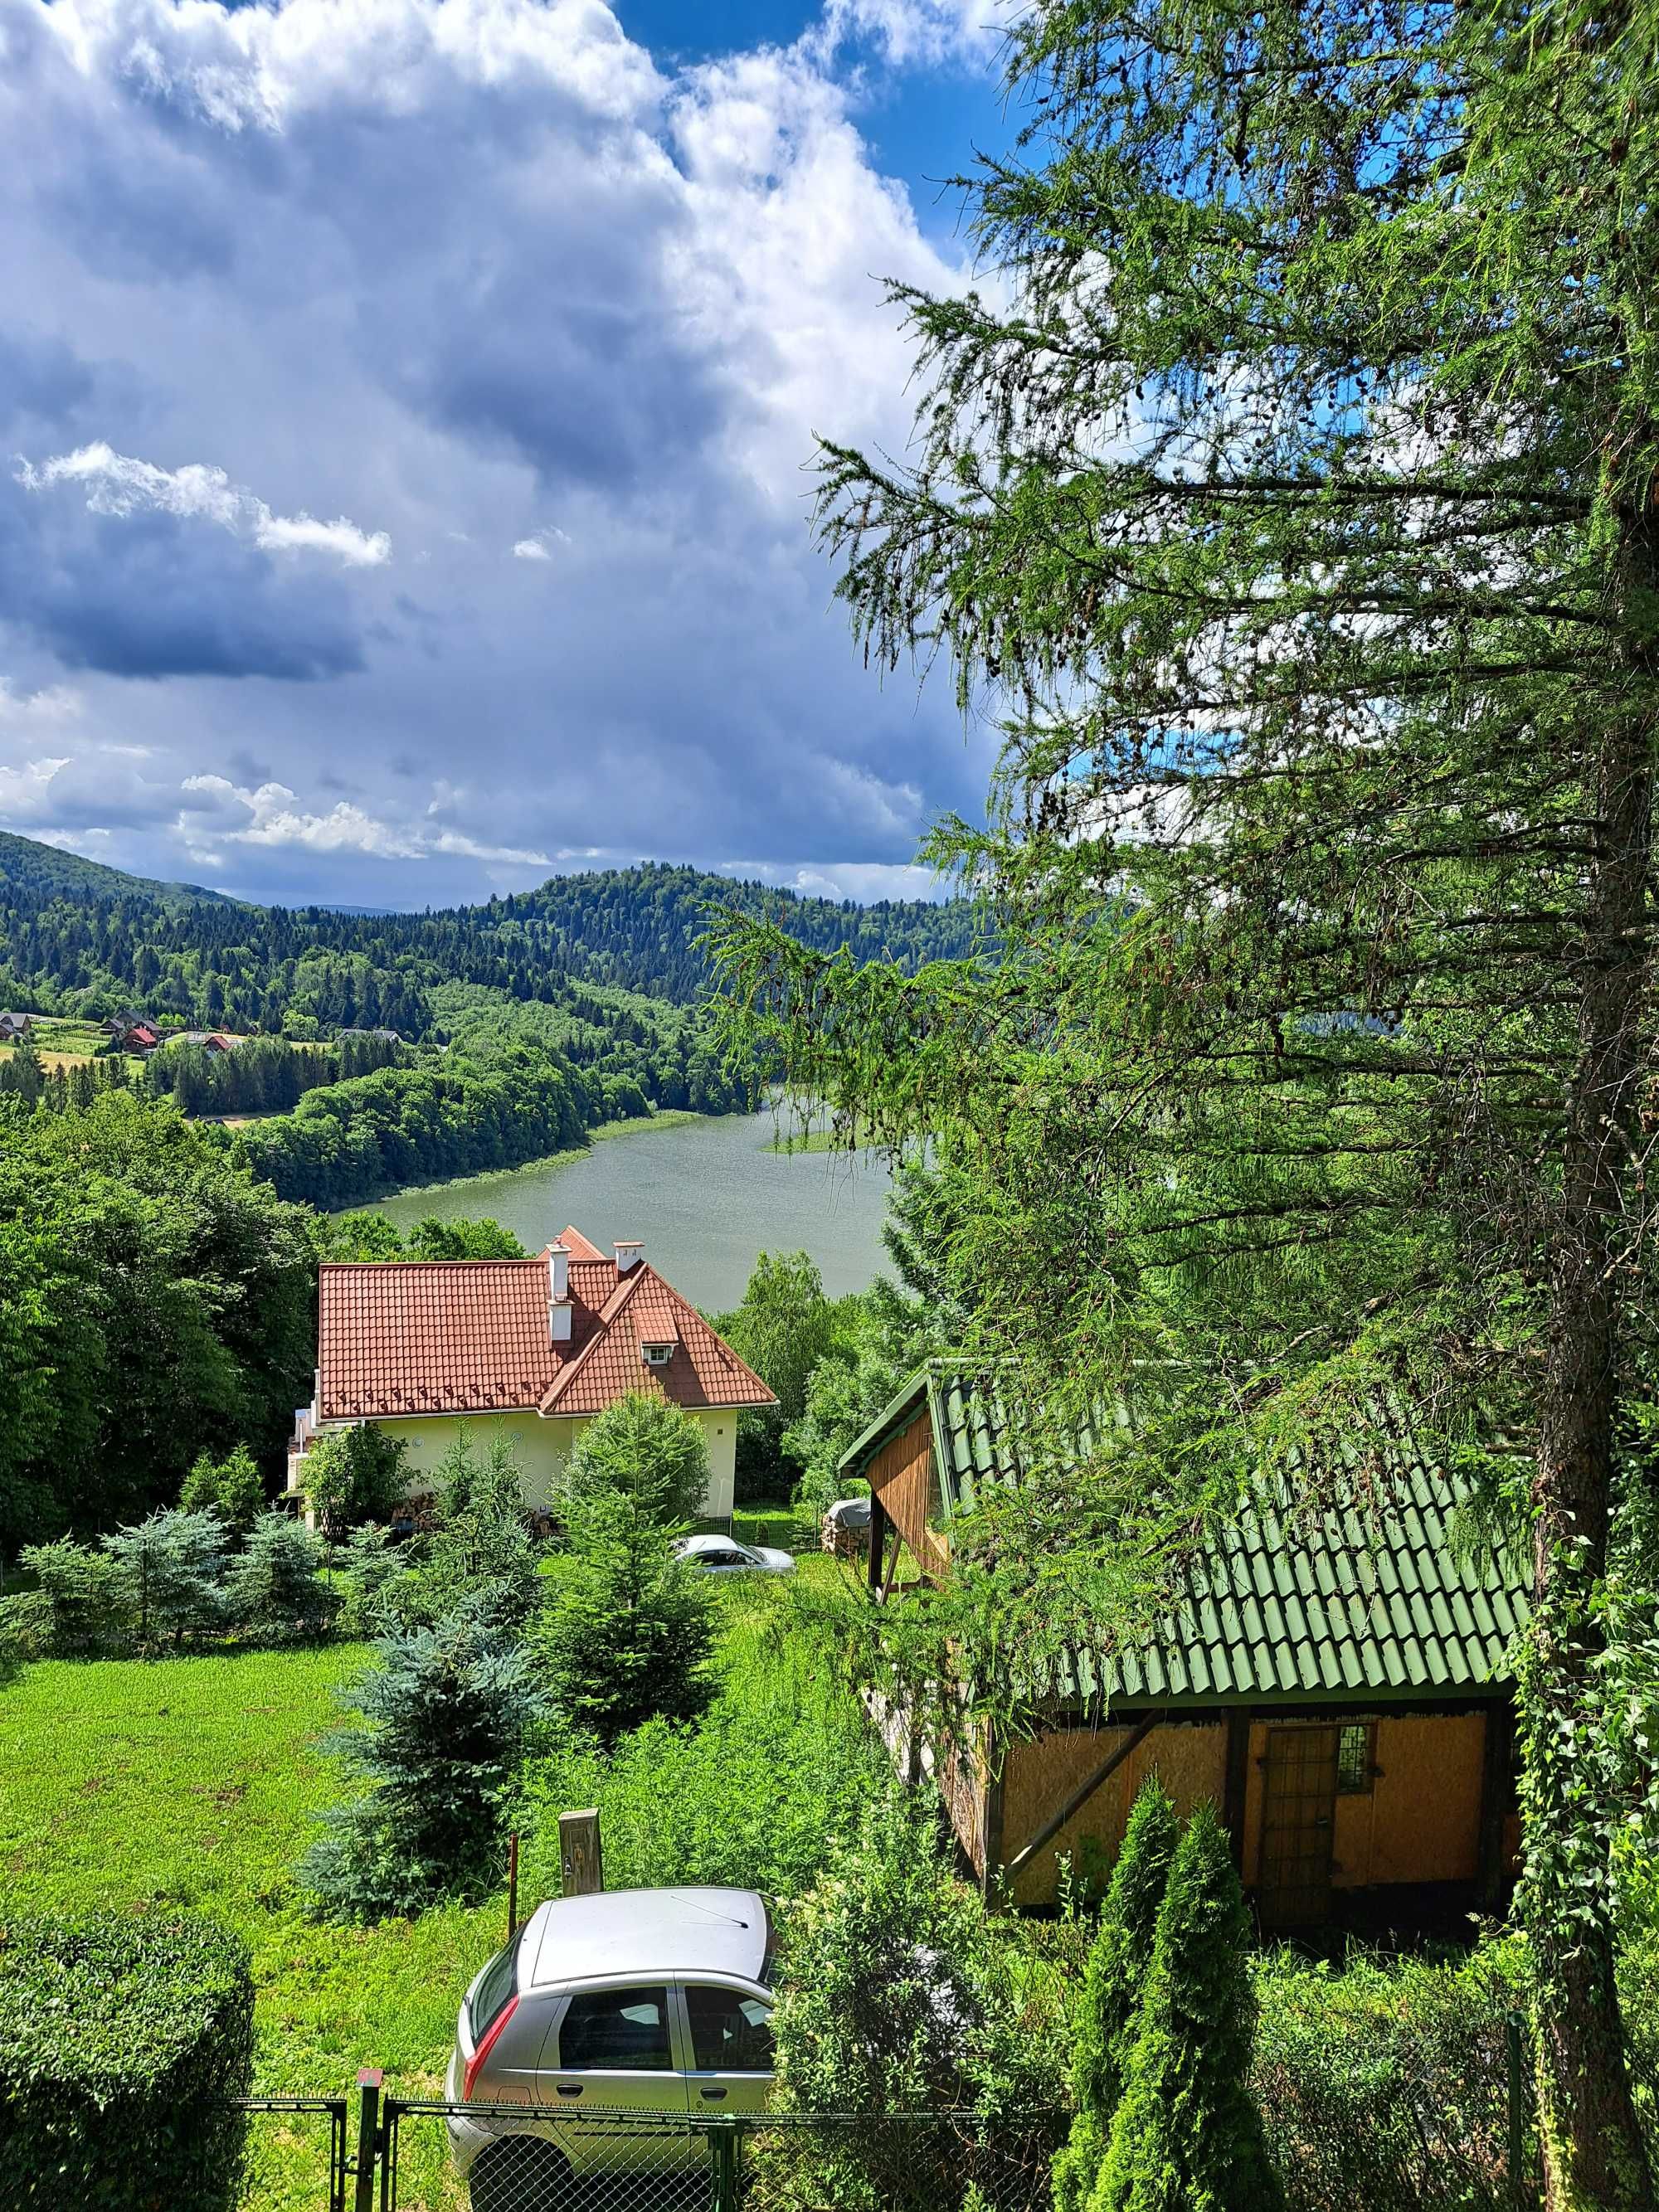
471	1336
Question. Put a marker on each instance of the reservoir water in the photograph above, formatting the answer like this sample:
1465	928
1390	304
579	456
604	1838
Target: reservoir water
706	1197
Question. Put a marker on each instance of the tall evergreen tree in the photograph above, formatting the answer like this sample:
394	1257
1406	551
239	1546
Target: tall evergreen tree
1293	499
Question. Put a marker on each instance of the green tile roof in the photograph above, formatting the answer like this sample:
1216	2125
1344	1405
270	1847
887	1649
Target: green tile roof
1362	1606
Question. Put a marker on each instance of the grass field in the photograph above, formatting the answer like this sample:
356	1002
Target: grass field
62	1042
136	1785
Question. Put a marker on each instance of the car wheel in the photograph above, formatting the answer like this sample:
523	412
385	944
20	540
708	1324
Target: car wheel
520	2174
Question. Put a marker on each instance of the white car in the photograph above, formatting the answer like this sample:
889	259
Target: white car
607	2022
724	1555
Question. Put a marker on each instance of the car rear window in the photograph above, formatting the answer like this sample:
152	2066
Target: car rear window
496	1985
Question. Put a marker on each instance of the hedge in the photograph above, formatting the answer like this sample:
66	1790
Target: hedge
123	2044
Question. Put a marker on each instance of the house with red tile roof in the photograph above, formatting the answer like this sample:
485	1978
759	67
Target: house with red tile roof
540	1345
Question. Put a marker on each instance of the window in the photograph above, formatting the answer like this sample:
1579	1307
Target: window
658	1355
1355	1761
616	2031
495	1986
731	2031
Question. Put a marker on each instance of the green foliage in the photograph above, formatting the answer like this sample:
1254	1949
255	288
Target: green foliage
122	2042
1113	1983
154	1303
1386	2082
754	1794
355	1474
461	1239
628	1632
648	1451
76	1608
1187	2136
371	1565
783	1328
482	1553
445	1720
276	1591
170	1573
229	1487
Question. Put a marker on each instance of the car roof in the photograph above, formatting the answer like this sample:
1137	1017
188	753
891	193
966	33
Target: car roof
699	1544
644	1932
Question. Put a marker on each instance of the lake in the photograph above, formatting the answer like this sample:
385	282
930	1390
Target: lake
706	1197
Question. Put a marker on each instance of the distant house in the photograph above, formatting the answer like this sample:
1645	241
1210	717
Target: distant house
1340	1693
14	1026
541	1346
382	1037
142	1036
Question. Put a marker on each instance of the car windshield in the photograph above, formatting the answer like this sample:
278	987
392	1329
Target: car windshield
495	1986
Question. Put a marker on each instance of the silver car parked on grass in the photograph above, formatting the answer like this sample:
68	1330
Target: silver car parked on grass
724	1555
654	2003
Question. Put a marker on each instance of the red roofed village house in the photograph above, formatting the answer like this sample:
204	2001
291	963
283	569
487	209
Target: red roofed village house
541	1346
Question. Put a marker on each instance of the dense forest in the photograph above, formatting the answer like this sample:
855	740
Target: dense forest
79	937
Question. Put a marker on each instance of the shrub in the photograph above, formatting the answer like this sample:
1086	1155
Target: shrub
628	1632
354	1475
446	1720
122	2044
275	1589
371	1566
170	1572
75	1609
1113	1985
482	1555
1386	2082
1187	2136
229	1487
650	1451
896	1995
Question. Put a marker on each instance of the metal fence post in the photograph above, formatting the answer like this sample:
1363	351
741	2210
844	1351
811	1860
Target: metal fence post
1517	2114
723	2165
368	2137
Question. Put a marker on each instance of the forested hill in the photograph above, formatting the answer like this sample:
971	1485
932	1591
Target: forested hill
76	937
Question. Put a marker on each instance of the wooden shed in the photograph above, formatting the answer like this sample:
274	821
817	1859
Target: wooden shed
1340	1694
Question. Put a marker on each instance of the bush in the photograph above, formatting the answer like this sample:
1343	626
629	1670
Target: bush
354	1475
170	1572
122	2044
1386	2082
371	1567
229	1487
896	1995
74	1610
1113	1985
446	1718
650	1451
275	1589
482	1555
1186	2136
630	1630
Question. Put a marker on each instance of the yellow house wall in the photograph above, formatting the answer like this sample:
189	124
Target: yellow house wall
1038	1777
543	1447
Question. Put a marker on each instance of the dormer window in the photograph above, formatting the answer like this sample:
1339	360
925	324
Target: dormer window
656	1355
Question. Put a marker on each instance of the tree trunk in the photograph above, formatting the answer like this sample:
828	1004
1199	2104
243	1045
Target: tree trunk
1594	2153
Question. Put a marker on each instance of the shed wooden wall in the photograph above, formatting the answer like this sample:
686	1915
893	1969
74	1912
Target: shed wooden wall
1038	1776
901	1476
1420	1821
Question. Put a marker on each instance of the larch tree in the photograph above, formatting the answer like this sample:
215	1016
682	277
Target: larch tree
1288	490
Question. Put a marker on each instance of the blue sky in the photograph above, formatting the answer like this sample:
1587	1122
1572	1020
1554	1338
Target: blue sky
403	406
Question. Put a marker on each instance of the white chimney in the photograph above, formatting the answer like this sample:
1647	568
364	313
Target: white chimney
628	1254
558	1293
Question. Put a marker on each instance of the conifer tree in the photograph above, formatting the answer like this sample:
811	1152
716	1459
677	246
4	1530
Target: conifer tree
1113	1984
1290	499
1186	2135
275	1588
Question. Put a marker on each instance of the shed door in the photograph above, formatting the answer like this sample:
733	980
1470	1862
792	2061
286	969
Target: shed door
1298	1807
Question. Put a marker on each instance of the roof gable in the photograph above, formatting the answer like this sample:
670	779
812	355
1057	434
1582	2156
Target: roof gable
400	1339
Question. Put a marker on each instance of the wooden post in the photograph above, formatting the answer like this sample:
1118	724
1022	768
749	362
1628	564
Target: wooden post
581	1867
369	2083
878	1545
512	1885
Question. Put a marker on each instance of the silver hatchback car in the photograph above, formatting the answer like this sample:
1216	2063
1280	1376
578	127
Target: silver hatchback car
650	2001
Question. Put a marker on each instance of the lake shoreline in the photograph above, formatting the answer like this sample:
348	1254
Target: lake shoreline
672	1117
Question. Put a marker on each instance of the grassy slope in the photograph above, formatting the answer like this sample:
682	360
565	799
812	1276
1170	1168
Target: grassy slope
138	1784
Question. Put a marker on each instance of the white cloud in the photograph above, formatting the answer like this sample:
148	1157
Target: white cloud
531	548
52	702
119	484
26	791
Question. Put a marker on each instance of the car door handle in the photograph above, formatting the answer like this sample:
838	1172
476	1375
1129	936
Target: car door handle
569	2088
714	2095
